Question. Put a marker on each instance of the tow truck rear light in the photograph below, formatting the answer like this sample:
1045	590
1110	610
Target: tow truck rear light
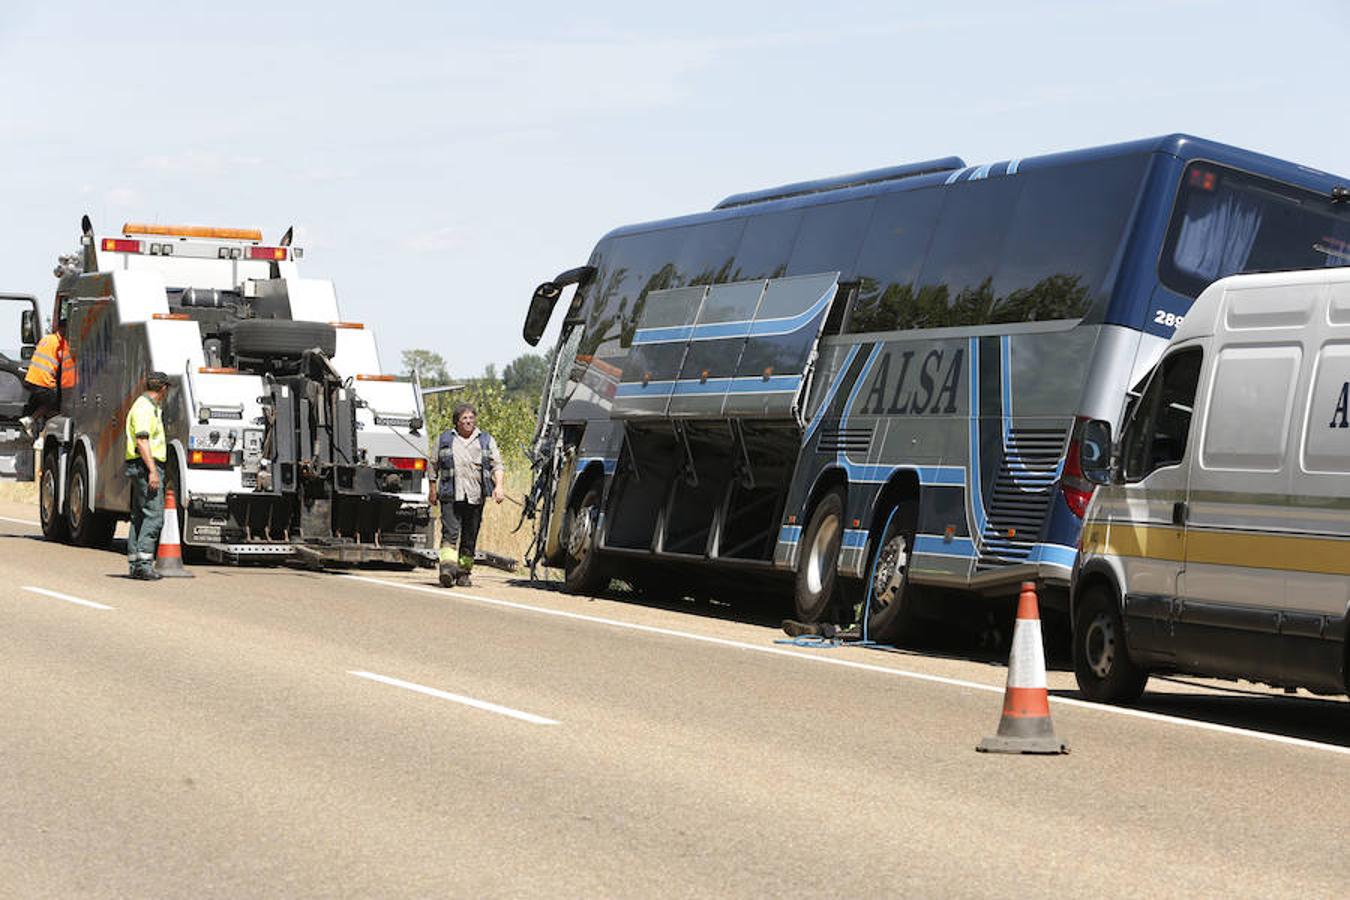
171	317
272	253
217	370
408	463
209	459
355	325
117	245
377	378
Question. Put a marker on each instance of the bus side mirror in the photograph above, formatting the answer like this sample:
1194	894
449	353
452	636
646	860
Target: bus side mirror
1094	452
541	307
28	327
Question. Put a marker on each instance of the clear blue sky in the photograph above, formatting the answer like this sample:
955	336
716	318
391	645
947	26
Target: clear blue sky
439	163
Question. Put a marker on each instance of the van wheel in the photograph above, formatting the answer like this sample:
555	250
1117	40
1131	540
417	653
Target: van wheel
1101	661
583	571
818	563
88	528
893	614
49	510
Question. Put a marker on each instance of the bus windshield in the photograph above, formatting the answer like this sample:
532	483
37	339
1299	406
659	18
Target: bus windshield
1228	222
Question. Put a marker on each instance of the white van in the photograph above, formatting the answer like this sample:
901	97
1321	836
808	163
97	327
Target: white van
1218	540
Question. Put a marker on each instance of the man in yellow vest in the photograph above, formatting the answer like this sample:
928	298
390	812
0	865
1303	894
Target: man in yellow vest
146	452
51	369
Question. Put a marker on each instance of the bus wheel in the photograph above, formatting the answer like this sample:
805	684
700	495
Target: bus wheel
88	528
893	615
818	563
583	571
1101	661
49	511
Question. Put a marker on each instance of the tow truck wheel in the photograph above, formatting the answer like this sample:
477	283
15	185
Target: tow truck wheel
88	528
818	563
584	572
49	511
893	615
1101	661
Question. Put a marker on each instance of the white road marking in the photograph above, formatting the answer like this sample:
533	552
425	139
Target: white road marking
21	521
457	698
66	597
867	667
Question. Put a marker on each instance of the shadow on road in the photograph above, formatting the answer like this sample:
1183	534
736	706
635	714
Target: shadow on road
1325	720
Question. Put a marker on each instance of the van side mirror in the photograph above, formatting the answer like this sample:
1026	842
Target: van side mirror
1094	451
28	327
26	352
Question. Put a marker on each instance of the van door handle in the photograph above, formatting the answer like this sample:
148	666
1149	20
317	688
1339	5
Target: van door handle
1179	512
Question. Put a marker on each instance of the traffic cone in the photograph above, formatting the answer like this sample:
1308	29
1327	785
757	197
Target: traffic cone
1025	726
169	556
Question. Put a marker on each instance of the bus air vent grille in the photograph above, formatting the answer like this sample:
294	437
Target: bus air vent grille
845	440
1023	491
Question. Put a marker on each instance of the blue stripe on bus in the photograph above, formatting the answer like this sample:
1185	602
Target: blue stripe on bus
775	384
713	331
964	548
789	534
1013	166
609	464
937	545
952	178
855	537
976	491
980	173
823	409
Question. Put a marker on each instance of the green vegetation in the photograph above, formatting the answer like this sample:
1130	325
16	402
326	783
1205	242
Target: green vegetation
506	404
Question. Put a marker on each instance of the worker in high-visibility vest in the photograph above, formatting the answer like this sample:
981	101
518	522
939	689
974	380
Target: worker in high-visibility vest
51	370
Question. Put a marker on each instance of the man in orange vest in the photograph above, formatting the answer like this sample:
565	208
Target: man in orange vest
51	370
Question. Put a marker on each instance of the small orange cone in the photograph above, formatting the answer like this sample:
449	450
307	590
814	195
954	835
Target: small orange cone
1025	726
169	557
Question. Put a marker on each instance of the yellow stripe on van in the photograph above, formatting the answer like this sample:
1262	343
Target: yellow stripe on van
1280	552
1139	541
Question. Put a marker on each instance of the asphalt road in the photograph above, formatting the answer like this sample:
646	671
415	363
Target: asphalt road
275	732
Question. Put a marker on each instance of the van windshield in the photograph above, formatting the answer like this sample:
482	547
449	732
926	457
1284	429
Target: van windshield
1227	222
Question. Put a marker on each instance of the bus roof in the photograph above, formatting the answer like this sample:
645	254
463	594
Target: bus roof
952	169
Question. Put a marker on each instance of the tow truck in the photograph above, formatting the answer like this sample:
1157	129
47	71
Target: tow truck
286	440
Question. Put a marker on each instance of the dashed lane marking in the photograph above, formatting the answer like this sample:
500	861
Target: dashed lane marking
456	698
866	667
66	597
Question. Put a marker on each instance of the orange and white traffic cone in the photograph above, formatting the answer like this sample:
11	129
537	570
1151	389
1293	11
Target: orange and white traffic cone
1025	726
169	556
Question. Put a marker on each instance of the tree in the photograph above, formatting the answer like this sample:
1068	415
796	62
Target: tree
524	376
429	366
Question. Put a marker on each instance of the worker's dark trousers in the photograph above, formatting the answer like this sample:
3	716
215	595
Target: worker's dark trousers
460	522
41	399
147	516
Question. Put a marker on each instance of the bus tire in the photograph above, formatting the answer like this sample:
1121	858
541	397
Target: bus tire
818	563
1101	661
50	514
87	528
893	615
583	570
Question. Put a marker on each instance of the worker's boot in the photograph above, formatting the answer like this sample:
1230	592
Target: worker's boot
465	566
450	574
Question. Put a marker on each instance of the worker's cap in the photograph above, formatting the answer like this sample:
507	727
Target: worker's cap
156	380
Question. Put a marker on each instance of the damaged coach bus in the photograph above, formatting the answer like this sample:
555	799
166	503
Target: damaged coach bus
884	375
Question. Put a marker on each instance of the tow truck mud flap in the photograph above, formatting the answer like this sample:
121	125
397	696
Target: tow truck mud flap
320	556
